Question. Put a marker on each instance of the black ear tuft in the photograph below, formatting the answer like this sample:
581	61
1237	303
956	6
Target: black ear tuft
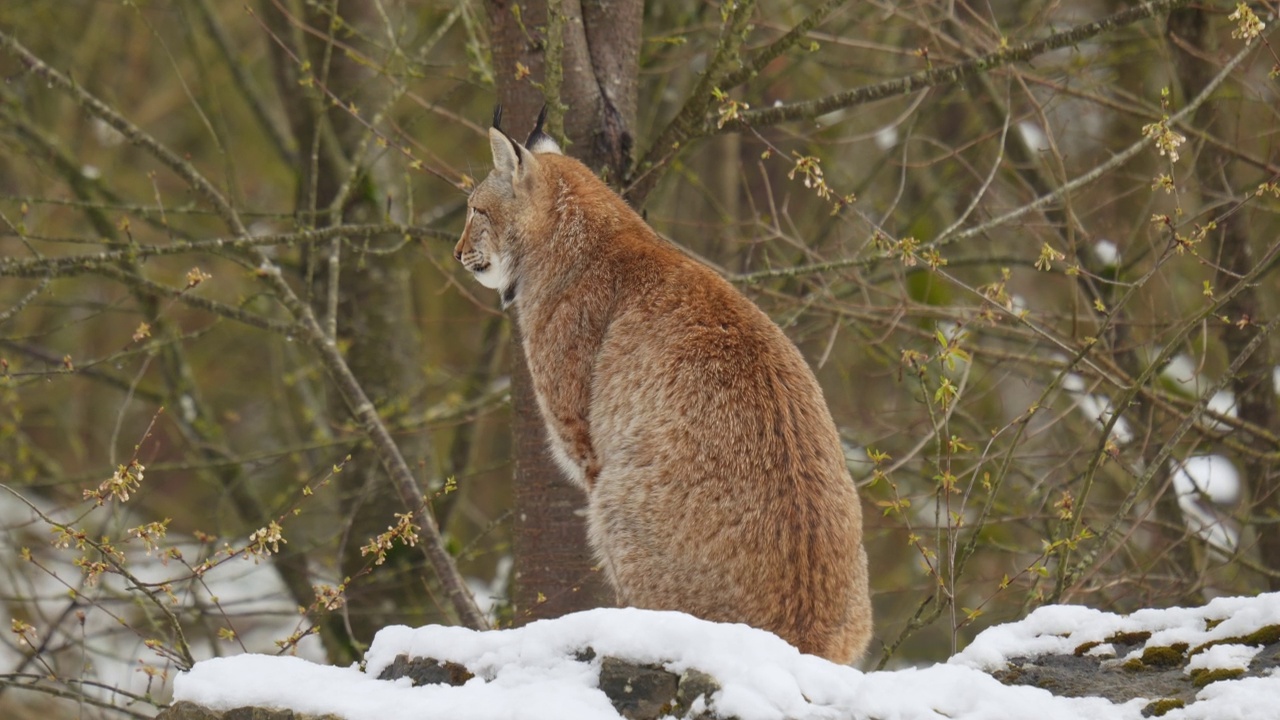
497	125
537	133
539	141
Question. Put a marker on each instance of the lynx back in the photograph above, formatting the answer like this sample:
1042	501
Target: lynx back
715	479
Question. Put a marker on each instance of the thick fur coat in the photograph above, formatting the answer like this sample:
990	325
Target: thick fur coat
715	480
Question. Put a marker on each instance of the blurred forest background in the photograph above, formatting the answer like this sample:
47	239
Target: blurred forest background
248	401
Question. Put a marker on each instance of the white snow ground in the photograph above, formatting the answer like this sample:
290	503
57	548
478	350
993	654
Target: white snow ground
531	673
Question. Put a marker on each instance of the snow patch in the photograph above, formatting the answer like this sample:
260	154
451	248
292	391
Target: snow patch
1207	486
886	137
531	672
1033	137
1107	253
1224	657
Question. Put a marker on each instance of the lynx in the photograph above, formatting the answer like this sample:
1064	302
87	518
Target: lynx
715	479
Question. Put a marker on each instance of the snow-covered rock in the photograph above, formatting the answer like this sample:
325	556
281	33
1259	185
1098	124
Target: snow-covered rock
1215	661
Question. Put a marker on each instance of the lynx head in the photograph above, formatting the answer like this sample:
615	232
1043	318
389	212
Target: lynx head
499	207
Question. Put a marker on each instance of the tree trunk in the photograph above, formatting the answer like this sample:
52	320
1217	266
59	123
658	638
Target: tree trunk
599	63
1193	42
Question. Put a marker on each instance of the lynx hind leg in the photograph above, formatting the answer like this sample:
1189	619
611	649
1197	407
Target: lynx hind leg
661	553
678	560
616	530
849	642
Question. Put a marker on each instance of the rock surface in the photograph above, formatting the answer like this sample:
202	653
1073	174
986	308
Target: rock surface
1157	671
190	711
426	671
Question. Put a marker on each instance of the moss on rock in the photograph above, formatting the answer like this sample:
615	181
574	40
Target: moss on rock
1129	638
1162	706
1161	656
1084	648
1203	676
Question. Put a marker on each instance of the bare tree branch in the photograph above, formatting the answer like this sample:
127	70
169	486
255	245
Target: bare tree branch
66	265
307	327
948	75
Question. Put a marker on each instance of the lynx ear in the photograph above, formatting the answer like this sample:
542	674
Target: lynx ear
539	141
511	160
506	154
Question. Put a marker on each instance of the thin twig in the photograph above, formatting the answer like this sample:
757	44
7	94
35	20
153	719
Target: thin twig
1074	184
950	74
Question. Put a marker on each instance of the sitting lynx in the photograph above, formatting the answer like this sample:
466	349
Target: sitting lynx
715	480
